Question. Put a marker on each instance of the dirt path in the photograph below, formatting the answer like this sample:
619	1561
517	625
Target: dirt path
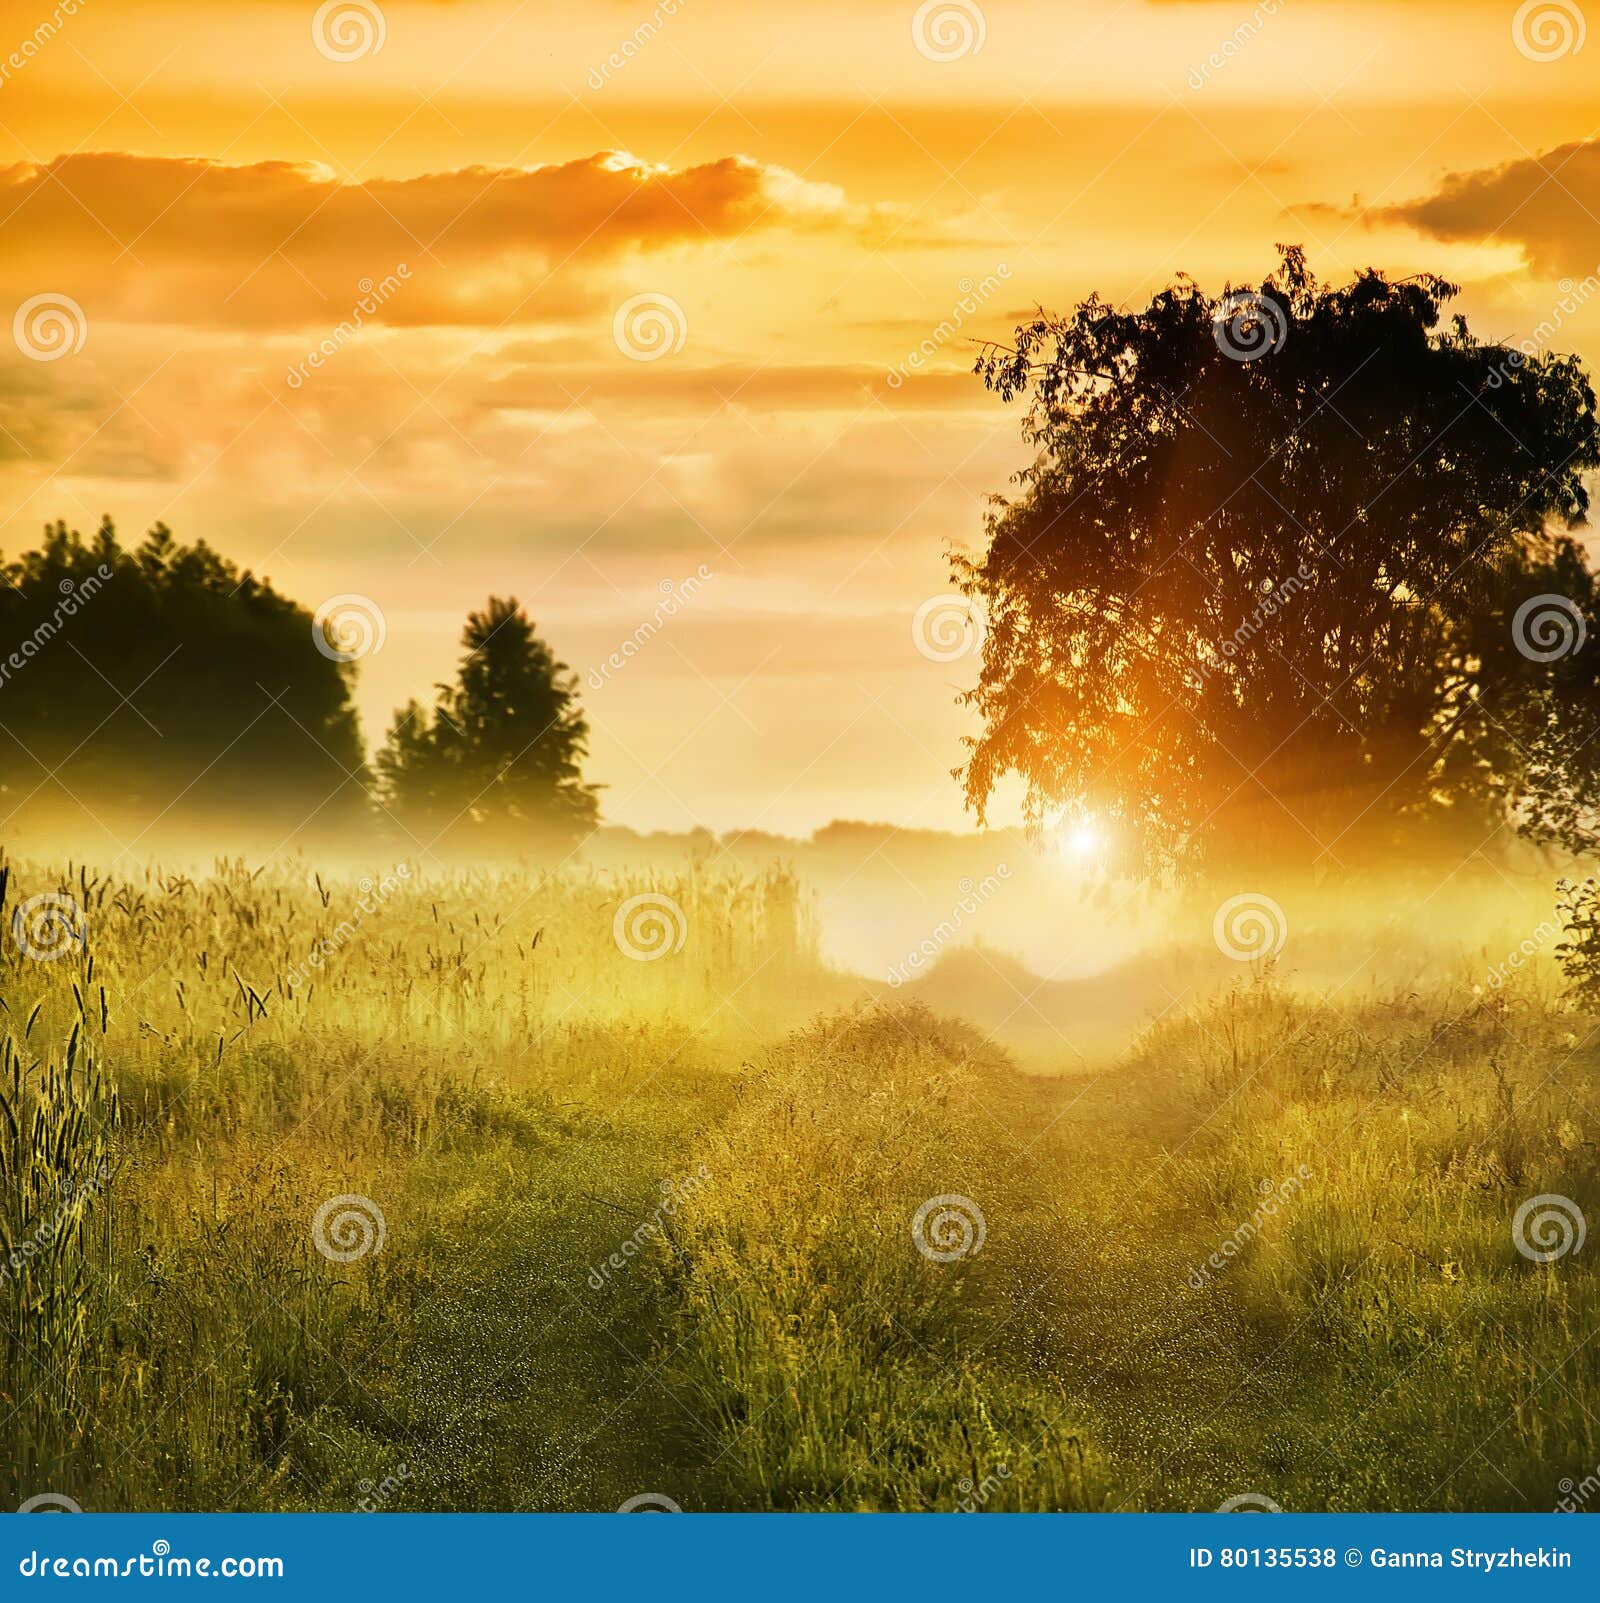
1101	1307
508	1381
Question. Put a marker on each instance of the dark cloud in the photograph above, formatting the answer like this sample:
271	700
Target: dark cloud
1549	205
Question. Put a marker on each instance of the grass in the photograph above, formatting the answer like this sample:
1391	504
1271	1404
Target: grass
647	1225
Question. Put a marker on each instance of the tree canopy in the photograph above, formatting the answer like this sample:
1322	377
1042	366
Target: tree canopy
1292	567
496	761
162	684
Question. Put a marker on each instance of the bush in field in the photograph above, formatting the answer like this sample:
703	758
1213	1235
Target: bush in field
1578	903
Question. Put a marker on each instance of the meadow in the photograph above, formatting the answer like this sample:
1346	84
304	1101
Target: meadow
510	1191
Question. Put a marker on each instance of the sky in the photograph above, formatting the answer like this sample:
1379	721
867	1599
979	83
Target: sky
660	317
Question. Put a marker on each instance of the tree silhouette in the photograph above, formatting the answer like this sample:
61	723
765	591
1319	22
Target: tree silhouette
497	761
163	684
1290	571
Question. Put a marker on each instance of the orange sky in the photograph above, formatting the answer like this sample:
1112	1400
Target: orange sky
803	195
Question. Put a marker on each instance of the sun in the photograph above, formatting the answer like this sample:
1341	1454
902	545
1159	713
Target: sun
1082	839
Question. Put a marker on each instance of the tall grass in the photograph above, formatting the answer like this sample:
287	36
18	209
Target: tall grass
836	1364
265	1042
58	1118
649	1221
1375	1338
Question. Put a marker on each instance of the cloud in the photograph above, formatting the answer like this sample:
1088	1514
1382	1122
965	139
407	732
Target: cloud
1548	205
277	245
560	452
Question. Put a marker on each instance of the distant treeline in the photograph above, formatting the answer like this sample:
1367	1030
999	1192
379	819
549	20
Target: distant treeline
160	692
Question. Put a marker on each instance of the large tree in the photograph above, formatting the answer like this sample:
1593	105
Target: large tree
497	761
1292	569
160	689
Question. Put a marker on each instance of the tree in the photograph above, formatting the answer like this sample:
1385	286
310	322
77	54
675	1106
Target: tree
1274	578
497	761
162	684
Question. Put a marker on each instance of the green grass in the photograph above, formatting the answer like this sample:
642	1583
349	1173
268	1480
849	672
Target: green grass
512	1093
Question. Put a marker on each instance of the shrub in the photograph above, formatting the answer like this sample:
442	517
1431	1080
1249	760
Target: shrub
1578	903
